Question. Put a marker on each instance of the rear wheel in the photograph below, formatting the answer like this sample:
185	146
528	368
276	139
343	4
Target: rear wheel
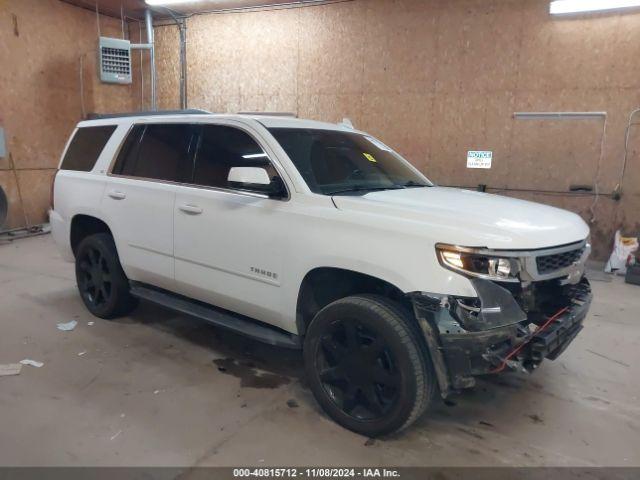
102	283
366	367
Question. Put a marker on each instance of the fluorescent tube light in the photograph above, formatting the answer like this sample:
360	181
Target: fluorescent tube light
563	7
255	155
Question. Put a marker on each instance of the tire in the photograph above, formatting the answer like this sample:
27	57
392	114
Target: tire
366	366
103	285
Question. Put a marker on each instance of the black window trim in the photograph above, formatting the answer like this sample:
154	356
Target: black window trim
236	191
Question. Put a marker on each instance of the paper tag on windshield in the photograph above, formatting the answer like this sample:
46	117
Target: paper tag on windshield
378	143
479	159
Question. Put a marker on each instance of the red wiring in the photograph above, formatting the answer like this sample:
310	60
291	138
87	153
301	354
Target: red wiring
521	346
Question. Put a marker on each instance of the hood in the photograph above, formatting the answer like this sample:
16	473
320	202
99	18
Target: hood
473	219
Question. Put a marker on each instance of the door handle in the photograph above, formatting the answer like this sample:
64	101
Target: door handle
191	209
117	195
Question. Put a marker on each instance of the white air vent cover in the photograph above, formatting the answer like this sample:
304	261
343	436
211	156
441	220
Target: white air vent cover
115	60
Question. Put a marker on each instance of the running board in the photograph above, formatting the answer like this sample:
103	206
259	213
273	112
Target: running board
217	316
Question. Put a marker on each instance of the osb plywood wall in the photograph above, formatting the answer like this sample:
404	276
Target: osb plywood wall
42	43
435	79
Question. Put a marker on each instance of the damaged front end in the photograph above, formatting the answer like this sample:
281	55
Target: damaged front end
513	323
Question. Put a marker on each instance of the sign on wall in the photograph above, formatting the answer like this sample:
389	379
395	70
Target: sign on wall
479	159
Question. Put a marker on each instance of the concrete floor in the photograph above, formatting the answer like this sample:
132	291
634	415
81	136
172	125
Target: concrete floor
163	389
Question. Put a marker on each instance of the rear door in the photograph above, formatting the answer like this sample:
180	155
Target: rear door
229	243
140	195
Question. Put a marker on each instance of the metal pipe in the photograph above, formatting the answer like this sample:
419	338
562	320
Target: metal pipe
181	23
141	68
558	115
148	17
576	116
627	133
183	64
141	46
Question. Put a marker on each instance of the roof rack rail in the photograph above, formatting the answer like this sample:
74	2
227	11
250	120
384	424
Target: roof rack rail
270	114
192	111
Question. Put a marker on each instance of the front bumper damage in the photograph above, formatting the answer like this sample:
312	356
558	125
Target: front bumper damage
508	329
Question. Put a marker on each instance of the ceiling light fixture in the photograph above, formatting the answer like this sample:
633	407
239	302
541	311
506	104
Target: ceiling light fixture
564	7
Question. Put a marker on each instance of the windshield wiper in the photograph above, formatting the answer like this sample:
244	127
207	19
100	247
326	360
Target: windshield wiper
412	184
363	189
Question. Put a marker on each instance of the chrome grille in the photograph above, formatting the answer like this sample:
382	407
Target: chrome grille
551	263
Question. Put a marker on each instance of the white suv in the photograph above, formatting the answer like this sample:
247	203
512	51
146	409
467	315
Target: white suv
317	236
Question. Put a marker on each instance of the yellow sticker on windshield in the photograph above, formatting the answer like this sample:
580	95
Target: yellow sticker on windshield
370	157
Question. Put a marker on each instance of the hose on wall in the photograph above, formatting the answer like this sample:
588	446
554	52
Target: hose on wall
4	208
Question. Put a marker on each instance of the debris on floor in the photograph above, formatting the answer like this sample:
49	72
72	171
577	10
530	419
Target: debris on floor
32	363
67	327
82	353
90	323
10	369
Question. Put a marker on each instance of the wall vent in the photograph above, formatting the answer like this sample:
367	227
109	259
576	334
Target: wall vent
115	60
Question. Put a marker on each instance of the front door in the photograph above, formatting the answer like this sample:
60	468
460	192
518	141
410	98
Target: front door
229	244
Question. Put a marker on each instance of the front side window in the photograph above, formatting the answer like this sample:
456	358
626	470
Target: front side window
222	148
158	151
334	162
86	147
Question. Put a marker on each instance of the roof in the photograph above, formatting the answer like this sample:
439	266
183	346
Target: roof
293	122
269	121
154	113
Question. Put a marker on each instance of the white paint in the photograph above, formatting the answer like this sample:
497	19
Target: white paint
479	159
249	175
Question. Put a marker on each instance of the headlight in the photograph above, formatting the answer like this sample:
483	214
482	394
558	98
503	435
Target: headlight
474	263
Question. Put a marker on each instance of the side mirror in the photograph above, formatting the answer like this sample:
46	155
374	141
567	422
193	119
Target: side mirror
256	179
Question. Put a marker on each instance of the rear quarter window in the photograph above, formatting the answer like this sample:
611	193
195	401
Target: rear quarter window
85	147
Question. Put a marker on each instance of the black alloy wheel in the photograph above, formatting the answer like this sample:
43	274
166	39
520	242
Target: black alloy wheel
357	370
366	365
94	280
103	285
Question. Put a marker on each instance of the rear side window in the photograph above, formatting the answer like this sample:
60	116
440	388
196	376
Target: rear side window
222	148
85	147
159	152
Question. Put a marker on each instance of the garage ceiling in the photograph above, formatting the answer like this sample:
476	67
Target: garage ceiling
135	8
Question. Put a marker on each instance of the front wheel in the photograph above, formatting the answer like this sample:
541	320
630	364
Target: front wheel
366	367
102	283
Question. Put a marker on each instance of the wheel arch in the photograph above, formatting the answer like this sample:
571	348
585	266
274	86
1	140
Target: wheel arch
83	225
324	285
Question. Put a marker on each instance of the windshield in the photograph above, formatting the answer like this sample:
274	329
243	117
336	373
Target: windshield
336	162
